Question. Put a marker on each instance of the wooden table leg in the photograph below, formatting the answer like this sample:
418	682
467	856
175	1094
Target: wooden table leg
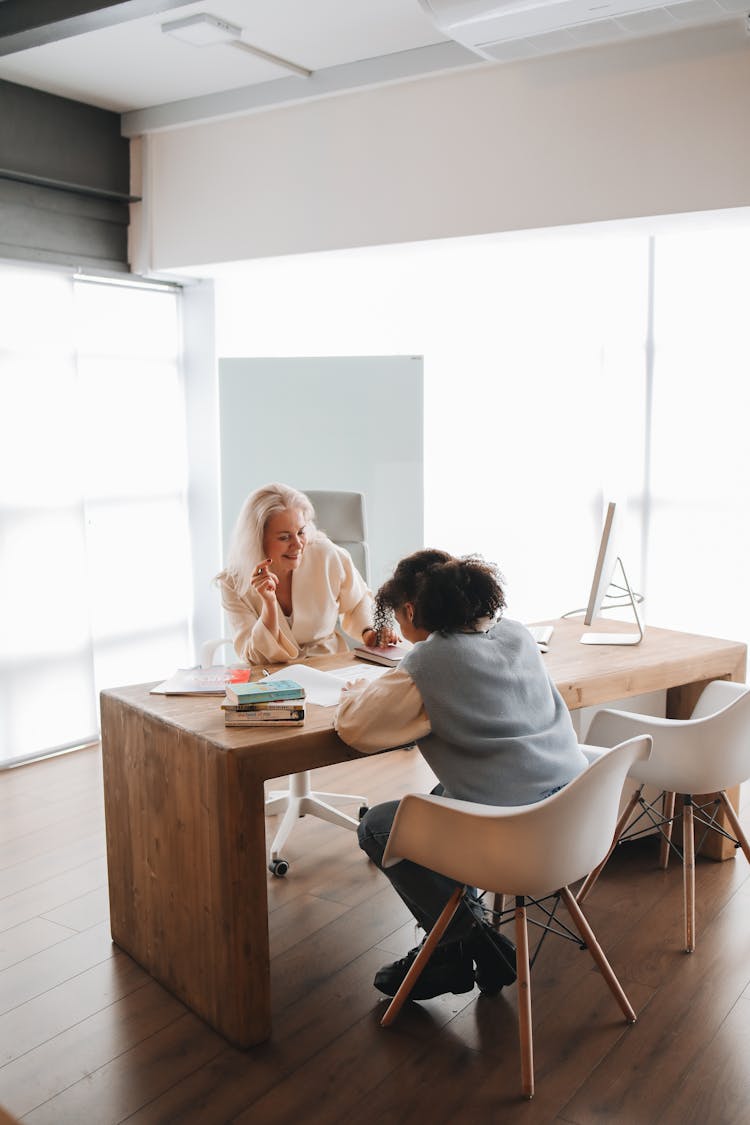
187	868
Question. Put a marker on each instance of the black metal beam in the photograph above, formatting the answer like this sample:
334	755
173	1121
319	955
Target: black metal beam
64	180
31	23
63	185
55	142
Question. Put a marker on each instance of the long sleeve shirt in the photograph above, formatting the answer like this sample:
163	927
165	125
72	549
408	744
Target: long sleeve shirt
480	705
325	586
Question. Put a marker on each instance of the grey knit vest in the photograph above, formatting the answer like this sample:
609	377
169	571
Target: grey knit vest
501	734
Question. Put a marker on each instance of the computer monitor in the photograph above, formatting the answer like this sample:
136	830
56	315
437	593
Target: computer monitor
607	560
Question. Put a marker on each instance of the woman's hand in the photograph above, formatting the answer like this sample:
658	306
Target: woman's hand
353	685
264	581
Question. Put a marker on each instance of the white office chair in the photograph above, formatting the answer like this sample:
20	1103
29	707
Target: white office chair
705	754
341	515
531	852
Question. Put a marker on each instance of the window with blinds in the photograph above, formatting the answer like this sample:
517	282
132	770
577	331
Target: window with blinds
95	582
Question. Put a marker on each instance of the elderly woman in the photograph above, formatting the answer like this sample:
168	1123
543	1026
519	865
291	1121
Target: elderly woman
286	584
476	697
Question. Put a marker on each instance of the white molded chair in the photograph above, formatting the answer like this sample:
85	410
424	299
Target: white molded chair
341	515
531	852
705	754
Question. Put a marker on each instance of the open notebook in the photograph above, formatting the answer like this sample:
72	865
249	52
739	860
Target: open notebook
324	688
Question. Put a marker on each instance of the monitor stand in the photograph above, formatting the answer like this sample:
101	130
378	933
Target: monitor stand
619	638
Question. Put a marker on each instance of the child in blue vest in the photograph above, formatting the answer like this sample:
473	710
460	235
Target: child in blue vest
475	696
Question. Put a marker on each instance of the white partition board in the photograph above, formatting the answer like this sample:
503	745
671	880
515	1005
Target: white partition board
329	423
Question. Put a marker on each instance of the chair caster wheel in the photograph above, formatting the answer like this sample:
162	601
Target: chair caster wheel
279	867
363	811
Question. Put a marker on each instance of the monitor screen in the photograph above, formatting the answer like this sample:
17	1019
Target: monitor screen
605	565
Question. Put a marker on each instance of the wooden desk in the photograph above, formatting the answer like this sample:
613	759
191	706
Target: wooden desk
185	818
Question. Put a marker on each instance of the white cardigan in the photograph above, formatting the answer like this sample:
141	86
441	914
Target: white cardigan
325	585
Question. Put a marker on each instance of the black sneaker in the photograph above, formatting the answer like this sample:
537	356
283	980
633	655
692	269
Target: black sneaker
450	969
495	959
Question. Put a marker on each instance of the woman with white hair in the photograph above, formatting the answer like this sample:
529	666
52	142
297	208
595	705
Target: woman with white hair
286	584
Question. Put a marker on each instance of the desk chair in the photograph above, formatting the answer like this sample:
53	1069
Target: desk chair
341	515
707	753
532	852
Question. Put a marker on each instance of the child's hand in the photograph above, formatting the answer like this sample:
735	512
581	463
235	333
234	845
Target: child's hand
388	637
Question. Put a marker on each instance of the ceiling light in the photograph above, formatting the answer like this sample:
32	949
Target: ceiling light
295	68
202	30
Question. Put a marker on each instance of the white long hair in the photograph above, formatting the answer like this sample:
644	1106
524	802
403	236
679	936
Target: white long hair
246	544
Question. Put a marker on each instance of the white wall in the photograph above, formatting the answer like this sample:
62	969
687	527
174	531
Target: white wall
531	345
329	422
650	127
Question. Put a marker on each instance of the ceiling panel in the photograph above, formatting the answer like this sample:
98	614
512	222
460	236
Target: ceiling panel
134	65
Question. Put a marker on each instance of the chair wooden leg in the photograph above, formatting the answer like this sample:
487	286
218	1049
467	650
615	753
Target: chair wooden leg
591	878
735	824
596	951
688	872
422	958
524	1000
667	811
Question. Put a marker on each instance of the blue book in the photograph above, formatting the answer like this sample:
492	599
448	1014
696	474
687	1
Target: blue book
264	691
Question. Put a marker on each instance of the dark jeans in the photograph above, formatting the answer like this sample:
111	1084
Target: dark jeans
425	892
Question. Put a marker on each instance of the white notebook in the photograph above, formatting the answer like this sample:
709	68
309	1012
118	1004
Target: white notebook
541	634
324	688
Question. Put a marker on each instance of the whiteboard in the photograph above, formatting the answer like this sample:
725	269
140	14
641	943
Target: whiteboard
351	423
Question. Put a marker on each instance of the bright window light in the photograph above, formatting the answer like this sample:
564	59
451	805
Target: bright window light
95	583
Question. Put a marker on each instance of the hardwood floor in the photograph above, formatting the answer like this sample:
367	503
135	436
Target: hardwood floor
88	1038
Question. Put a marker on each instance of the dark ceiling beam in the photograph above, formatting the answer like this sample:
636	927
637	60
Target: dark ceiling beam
31	23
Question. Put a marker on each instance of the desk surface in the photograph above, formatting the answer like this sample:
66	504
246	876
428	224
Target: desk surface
585	675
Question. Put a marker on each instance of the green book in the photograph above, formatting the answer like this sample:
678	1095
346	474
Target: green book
264	691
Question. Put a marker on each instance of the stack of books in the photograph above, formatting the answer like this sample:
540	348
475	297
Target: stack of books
267	703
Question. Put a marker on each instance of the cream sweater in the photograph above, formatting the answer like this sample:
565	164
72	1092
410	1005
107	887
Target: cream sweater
325	585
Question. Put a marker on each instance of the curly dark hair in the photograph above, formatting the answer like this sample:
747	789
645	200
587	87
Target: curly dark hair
447	593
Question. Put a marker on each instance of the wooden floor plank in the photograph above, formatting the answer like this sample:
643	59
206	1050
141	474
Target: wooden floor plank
694	999
49	894
66	831
52	863
34	1022
83	912
36	817
77	1054
115	1091
87	1036
20	942
299	919
42	971
717	1086
337	1080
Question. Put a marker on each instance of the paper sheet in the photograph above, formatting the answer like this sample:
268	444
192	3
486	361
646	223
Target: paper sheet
324	688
